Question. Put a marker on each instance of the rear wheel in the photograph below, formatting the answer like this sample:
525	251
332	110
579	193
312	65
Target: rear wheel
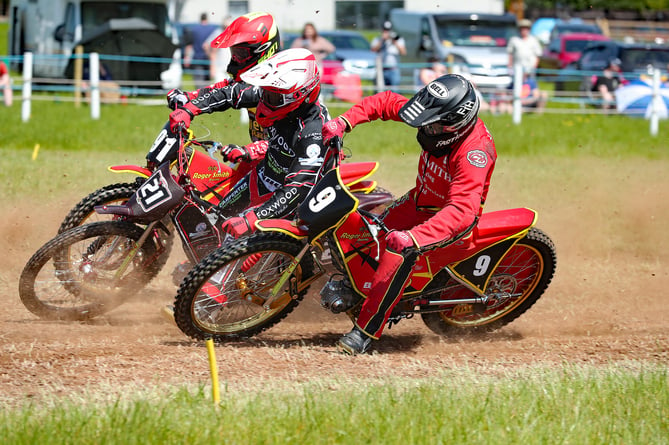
516	284
375	201
114	194
77	275
229	294
84	211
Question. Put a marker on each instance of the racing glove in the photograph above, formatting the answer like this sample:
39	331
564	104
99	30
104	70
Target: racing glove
238	226
248	153
335	128
183	115
398	240
176	98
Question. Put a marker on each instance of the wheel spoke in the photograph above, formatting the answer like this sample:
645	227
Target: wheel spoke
234	296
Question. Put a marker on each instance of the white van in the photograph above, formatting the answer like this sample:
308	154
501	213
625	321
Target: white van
139	28
475	42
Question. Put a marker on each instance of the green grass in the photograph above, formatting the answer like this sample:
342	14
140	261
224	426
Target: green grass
624	405
131	128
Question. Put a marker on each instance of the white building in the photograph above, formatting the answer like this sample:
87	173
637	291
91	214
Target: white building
291	15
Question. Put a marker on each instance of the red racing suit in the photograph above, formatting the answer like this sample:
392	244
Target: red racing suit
443	207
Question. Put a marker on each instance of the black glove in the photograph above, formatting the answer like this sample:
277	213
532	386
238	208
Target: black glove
175	98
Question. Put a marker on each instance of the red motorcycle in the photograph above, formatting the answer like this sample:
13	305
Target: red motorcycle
92	268
211	179
477	284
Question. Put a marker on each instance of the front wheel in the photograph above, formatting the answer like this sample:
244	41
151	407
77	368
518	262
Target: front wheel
84	211
86	271
230	294
515	285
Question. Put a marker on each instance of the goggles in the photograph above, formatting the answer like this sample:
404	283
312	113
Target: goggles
240	54
277	100
439	127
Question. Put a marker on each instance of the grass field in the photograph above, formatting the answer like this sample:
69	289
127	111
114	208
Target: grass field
590	178
573	405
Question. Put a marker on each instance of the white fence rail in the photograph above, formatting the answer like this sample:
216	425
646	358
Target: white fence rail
564	91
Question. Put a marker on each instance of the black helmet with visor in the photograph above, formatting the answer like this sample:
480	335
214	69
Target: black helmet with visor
444	111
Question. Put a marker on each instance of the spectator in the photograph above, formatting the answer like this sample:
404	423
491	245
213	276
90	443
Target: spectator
5	84
195	56
524	49
317	44
606	83
429	73
530	97
219	58
390	47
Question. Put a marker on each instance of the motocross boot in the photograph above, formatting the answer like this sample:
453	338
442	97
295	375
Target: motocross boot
355	342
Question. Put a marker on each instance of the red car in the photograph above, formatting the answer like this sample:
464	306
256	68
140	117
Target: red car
568	48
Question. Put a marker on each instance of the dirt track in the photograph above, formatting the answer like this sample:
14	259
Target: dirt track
607	303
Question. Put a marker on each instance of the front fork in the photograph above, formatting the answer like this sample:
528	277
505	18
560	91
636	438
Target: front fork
133	252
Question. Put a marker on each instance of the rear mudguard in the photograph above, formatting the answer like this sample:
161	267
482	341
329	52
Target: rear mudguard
472	259
134	169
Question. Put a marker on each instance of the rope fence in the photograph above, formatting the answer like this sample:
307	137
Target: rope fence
563	91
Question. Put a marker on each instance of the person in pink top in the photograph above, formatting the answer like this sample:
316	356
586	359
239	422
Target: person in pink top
317	44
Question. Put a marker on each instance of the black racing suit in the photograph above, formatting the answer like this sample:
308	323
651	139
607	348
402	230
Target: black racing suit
294	161
294	156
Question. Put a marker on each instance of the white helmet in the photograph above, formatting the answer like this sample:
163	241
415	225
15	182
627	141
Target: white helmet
288	79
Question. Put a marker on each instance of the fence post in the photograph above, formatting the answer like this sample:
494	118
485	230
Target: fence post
78	74
27	85
94	69
517	91
655	104
380	81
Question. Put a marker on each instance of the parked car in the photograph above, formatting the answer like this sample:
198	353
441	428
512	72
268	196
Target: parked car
635	58
571	26
567	49
476	43
353	51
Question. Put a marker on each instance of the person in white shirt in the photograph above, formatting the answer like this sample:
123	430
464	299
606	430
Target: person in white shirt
524	49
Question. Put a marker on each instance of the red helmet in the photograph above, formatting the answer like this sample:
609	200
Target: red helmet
251	38
288	79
